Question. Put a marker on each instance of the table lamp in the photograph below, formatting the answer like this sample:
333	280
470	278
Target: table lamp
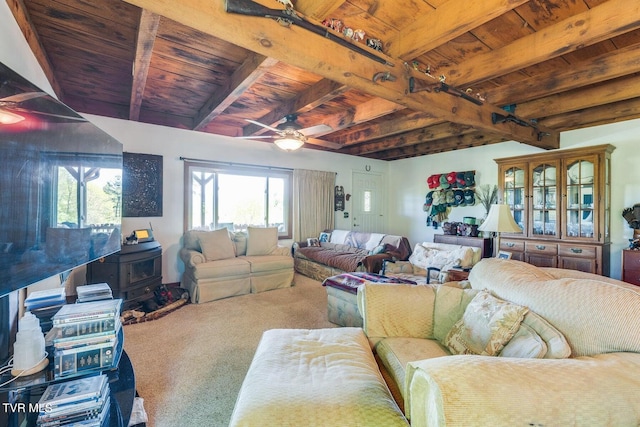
500	220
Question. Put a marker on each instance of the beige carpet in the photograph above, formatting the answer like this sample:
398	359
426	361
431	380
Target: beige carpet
190	363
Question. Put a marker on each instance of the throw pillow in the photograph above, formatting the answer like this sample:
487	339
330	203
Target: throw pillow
324	237
313	242
557	345
487	325
216	245
525	344
261	241
378	249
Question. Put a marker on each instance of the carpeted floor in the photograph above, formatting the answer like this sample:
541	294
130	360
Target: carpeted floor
190	363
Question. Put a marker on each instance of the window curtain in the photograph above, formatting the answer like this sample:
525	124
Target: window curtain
313	202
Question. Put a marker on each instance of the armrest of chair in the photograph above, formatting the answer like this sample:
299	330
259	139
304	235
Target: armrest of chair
191	257
534	392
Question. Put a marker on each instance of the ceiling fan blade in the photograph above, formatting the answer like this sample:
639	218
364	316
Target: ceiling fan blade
263	125
323	143
21	97
316	130
260	137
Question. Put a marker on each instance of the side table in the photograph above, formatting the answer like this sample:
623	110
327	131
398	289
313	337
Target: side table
457	275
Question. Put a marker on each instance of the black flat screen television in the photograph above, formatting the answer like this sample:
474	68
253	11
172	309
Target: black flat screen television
60	186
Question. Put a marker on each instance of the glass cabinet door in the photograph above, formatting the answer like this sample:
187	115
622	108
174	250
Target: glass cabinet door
544	209
514	193
580	206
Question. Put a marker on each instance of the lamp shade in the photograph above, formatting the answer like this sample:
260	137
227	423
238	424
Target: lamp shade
500	220
289	143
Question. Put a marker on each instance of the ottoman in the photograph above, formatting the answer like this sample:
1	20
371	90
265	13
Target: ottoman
313	378
342	295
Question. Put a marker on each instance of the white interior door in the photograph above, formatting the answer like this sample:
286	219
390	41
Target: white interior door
368	203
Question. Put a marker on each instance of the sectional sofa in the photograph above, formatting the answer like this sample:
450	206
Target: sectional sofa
522	346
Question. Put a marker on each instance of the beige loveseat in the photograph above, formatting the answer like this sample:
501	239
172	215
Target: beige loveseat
220	264
523	346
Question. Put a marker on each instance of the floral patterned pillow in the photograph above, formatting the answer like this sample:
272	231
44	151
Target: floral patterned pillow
487	325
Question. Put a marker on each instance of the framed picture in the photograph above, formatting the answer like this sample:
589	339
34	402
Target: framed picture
504	255
324	237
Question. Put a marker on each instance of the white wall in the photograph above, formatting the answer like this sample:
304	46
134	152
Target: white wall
175	143
408	186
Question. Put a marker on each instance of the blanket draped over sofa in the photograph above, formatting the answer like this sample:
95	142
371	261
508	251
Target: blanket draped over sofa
349	251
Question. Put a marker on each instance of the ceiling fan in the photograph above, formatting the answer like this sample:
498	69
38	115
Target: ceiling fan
13	111
290	135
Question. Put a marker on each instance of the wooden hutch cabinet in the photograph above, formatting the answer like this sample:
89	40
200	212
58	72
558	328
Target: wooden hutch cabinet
562	202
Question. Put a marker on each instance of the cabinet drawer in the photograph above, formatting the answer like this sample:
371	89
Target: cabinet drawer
631	276
511	245
631	259
541	248
577	251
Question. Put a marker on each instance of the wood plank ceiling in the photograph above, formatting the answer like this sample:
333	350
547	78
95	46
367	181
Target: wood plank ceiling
451	73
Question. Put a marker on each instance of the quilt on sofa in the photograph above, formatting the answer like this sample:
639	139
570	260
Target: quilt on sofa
347	251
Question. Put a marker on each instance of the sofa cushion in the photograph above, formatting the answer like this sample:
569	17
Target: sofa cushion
526	343
339	236
408	316
450	305
261	240
557	345
220	269
269	263
216	245
396	352
487	324
239	239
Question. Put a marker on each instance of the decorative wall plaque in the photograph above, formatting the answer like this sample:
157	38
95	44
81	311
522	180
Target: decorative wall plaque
141	185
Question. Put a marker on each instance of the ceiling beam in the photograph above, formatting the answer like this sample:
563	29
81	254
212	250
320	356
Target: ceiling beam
359	134
602	114
25	23
579	99
318	10
450	20
431	133
322	56
433	147
608	66
241	80
607	20
146	37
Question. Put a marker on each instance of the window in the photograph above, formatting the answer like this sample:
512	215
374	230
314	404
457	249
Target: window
85	192
237	197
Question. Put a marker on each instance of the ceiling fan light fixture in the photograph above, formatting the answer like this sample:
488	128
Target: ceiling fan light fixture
9	118
289	143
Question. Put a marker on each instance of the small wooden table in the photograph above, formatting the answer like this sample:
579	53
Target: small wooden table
457	274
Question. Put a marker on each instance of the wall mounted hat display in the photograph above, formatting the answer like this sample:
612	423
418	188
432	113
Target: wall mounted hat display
449	190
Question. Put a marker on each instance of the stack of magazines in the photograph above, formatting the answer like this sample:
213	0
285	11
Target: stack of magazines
95	292
85	336
82	402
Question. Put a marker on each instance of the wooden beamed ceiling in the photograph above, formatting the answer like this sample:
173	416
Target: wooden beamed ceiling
451	74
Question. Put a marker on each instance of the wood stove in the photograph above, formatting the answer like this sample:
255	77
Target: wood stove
133	274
